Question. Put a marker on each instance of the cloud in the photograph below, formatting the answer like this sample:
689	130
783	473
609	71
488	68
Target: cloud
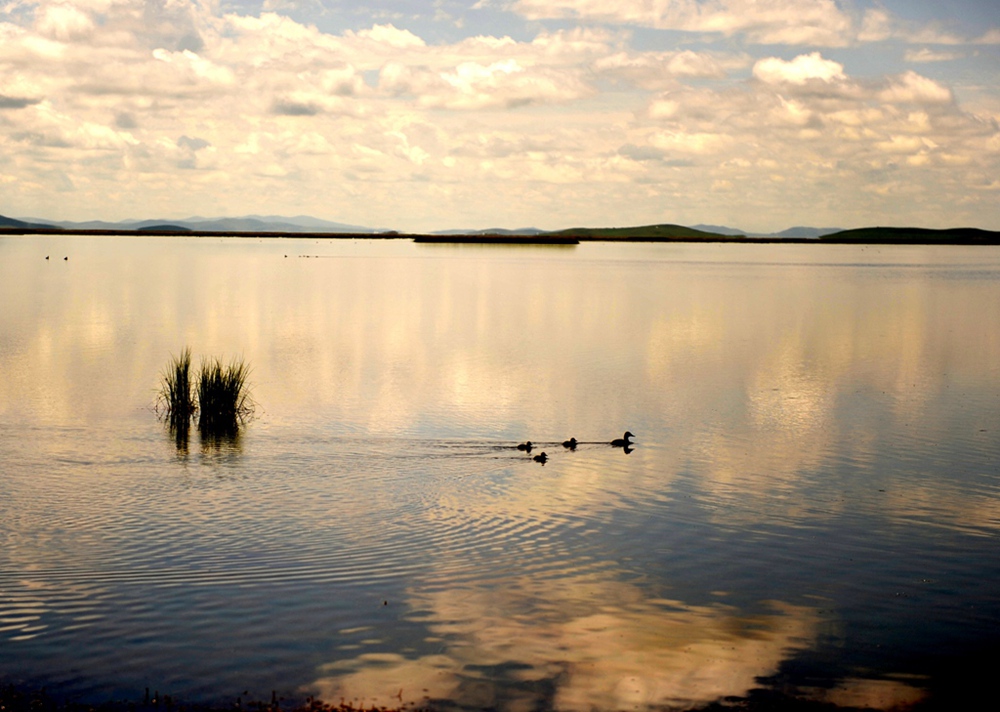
193	144
387	35
819	23
189	150
928	55
193	70
294	108
629	652
472	85
14	102
566	124
912	88
126	120
552	68
802	69
793	22
876	25
64	22
658	70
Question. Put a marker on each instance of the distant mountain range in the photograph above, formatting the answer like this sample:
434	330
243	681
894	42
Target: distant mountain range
279	225
806	232
305	223
493	231
248	223
6	222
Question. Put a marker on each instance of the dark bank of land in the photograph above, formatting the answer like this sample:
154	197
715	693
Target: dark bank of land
571	236
868	235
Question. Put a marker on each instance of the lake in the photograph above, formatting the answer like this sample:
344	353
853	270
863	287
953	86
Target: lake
811	507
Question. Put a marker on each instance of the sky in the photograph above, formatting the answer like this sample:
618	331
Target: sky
469	114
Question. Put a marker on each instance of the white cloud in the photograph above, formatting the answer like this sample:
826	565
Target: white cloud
794	22
565	127
820	23
912	88
904	144
659	70
389	36
681	142
64	22
800	70
49	128
471	85
192	69
876	25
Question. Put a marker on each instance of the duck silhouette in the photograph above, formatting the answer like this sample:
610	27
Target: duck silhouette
541	457
526	447
570	444
624	441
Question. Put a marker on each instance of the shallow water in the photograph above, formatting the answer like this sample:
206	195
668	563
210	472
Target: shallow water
811	505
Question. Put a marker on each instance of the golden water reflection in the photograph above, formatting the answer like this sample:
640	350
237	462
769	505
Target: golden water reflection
751	365
584	644
787	387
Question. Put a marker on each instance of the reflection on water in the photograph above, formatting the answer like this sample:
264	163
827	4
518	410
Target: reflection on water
810	504
577	643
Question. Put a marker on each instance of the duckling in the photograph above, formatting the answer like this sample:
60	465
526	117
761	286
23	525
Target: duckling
570	444
541	457
624	441
526	447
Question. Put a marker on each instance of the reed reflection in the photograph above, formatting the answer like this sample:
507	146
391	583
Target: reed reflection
221	444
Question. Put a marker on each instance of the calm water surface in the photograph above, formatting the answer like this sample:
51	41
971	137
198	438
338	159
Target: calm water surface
811	505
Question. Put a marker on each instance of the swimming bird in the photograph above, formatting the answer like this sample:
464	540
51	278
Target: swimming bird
541	457
623	441
571	443
525	446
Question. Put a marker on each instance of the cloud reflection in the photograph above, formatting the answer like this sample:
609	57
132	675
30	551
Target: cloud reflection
581	643
749	368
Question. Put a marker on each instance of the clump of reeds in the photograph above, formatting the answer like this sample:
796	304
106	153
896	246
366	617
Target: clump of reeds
220	396
176	398
223	397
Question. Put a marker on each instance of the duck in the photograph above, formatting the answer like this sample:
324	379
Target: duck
624	441
570	444
541	457
526	447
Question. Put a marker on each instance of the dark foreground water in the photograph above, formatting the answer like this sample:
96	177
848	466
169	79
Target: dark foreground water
811	505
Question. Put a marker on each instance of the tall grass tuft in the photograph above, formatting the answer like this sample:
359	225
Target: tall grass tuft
176	398
223	398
